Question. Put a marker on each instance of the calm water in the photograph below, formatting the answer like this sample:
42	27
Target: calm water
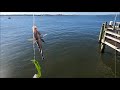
71	49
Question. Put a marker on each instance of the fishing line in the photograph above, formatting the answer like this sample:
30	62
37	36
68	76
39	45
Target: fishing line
33	36
115	43
38	67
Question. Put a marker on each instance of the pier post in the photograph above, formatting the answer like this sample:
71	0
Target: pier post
101	33
103	38
105	24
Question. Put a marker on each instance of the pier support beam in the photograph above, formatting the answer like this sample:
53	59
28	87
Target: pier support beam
101	33
102	39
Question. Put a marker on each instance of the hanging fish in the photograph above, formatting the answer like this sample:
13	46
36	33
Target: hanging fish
38	39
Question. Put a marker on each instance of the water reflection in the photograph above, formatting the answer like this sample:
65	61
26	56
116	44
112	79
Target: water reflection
106	67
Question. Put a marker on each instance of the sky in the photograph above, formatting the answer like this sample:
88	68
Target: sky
54	13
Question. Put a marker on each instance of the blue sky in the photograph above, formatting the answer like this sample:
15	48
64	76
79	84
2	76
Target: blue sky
53	13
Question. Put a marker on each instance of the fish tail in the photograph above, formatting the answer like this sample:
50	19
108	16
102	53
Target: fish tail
42	54
40	50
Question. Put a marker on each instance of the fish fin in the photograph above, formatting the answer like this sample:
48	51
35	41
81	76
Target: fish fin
42	40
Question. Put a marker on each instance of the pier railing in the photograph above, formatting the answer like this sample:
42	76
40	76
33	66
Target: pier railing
109	36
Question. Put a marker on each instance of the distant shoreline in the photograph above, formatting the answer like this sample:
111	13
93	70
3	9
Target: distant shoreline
52	15
39	15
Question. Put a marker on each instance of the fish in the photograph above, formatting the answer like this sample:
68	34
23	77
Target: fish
38	39
31	39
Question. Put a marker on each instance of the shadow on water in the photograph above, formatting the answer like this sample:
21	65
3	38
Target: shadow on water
103	69
106	67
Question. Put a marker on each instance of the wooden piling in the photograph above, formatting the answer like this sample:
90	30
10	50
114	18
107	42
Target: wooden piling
103	38
101	33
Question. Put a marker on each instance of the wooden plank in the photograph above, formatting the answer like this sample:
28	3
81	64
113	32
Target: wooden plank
112	33
110	28
114	39
112	46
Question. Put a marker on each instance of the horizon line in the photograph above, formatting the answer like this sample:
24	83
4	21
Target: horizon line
58	13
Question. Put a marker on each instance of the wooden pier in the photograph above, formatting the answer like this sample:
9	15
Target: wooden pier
110	36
